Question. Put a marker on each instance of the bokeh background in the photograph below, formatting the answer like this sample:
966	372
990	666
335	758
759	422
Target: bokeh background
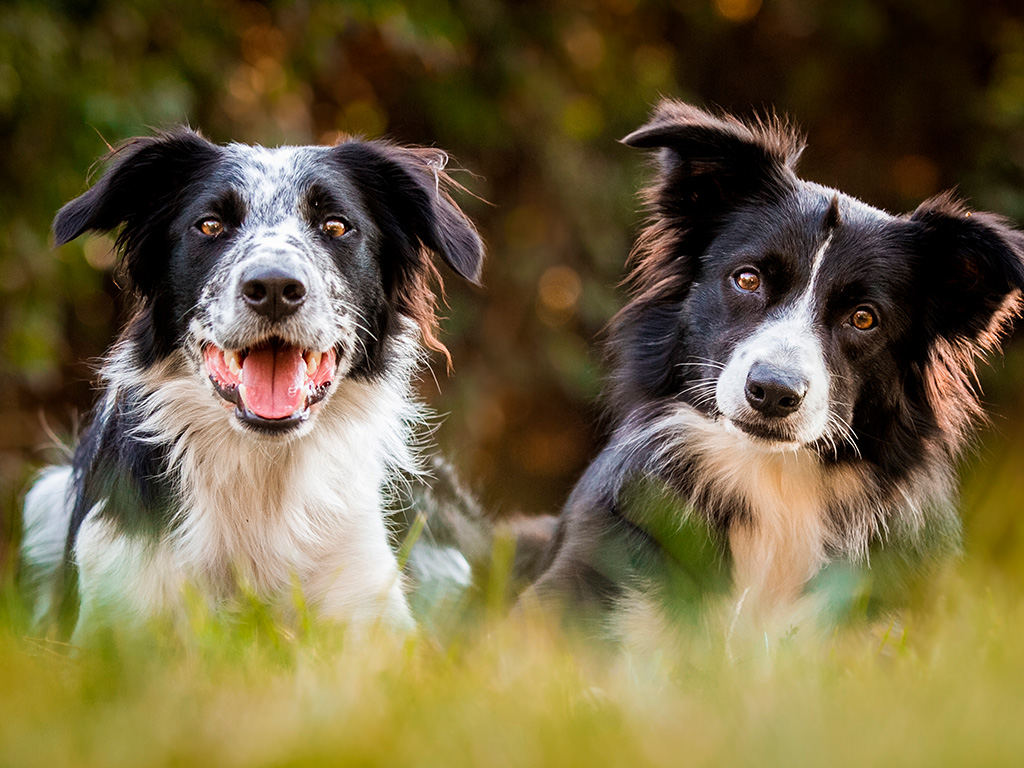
900	99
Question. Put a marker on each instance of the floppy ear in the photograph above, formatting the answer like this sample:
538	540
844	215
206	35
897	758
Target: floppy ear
405	189
142	190
976	266
708	165
709	160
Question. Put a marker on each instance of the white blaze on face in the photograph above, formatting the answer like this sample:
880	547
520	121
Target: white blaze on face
276	236
790	343
264	247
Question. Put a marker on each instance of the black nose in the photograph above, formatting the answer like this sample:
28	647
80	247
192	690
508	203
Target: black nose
272	291
774	392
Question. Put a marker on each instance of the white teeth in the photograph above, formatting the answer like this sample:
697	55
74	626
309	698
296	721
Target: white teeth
233	361
313	362
241	394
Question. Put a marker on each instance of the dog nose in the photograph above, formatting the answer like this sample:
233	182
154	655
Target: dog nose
272	291
774	392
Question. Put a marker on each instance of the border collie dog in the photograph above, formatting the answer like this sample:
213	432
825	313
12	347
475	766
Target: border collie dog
792	383
258	407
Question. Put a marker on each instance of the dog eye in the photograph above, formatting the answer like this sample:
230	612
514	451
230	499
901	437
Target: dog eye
863	319
334	227
747	280
211	227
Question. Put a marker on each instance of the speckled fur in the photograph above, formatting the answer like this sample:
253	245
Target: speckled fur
171	493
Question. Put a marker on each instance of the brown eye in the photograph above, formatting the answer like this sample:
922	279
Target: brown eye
748	281
863	319
334	227
211	227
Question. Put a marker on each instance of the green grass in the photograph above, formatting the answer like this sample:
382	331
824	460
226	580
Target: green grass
943	686
946	691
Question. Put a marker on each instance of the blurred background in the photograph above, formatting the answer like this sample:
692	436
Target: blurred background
900	99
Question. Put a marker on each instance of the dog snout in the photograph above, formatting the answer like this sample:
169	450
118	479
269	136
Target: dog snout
774	392
272	291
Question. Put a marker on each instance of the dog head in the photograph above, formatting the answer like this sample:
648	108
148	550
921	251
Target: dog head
797	315
278	271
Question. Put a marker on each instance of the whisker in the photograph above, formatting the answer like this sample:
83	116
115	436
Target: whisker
703	391
840	432
702	362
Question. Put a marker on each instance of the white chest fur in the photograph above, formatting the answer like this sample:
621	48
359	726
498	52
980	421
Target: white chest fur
783	542
263	516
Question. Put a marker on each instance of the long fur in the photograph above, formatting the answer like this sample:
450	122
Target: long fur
186	484
747	279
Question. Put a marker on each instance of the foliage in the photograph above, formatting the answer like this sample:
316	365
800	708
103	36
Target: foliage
900	99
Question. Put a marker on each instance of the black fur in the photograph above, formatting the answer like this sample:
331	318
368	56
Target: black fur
945	282
156	188
157	192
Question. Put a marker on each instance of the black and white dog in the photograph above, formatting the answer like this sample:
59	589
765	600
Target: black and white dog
792	382
258	405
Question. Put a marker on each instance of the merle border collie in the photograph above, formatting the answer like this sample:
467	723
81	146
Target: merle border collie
792	383
258	406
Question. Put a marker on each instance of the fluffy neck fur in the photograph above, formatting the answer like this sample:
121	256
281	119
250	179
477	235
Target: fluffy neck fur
784	515
259	513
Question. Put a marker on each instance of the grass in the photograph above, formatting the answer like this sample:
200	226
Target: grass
945	692
943	686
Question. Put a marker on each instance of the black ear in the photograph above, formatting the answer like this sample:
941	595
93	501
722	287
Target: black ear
143	189
975	264
405	189
708	159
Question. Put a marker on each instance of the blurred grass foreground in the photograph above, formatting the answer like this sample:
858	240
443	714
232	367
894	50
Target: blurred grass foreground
942	688
938	685
900	99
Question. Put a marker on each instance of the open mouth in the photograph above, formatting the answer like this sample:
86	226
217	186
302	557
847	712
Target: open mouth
272	385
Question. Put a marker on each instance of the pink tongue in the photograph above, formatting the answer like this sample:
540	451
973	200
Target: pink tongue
273	378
